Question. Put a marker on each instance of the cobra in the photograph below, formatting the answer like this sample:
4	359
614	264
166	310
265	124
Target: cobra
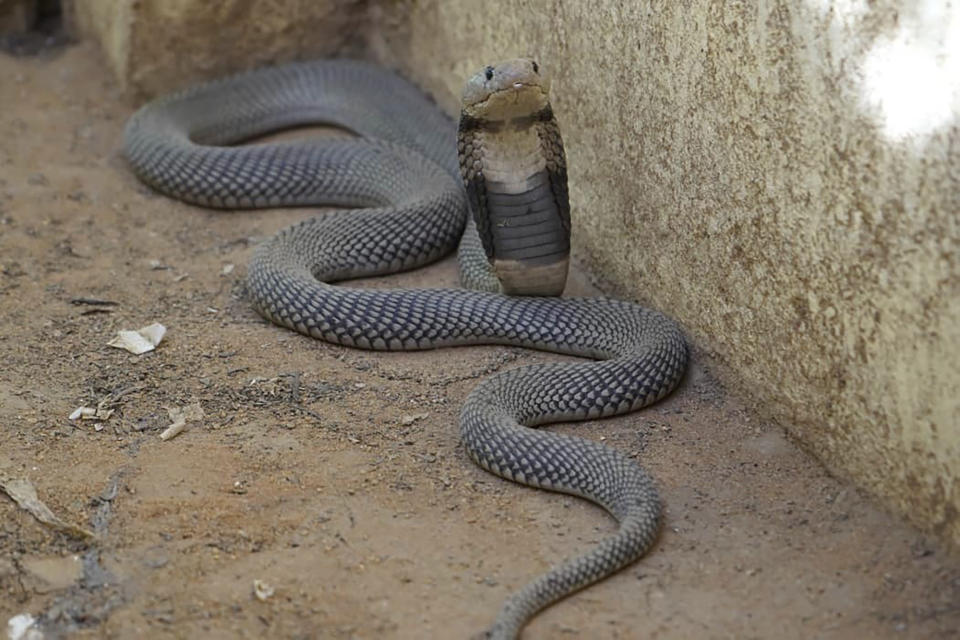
411	175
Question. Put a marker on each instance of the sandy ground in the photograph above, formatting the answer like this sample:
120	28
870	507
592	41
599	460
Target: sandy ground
335	475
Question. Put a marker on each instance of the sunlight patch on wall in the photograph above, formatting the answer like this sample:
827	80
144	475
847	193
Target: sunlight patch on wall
912	77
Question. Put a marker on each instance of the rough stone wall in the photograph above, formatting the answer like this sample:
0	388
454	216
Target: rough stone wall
781	176
156	46
17	16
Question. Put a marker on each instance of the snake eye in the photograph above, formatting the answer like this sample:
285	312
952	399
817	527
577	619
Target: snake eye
536	67
489	73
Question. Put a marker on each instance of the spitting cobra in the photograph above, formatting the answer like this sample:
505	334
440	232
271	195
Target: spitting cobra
410	176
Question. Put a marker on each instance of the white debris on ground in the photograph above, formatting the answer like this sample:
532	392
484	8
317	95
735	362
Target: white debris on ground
90	413
140	341
23	627
180	417
262	590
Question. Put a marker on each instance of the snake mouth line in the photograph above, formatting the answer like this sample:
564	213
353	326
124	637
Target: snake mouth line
511	103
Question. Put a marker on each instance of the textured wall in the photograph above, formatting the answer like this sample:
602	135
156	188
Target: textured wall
17	16
155	46
782	176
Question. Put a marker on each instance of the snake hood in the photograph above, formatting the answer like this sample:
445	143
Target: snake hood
514	169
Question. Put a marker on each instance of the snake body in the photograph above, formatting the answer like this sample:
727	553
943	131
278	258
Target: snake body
403	175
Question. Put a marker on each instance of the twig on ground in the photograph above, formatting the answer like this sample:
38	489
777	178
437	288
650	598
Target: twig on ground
94	302
295	395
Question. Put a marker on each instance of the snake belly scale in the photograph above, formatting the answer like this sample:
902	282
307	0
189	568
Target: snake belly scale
404	175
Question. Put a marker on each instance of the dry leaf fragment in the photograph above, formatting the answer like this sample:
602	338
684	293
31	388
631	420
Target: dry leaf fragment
180	417
24	494
140	341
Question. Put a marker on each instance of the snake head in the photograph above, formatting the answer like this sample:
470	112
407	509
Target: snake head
506	90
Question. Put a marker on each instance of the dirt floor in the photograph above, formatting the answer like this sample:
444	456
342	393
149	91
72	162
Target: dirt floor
335	476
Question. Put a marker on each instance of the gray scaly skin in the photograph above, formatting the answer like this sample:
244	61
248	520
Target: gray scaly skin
404	173
515	173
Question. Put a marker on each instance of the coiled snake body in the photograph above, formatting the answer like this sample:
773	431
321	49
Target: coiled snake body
404	174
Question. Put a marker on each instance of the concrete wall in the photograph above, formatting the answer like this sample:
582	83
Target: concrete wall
17	16
155	46
779	175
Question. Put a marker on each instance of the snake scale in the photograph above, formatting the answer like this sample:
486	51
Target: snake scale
410	177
